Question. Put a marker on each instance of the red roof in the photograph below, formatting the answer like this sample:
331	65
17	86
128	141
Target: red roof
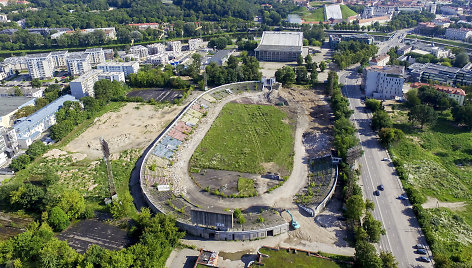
446	89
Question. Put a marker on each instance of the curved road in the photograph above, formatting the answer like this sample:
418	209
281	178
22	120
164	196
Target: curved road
397	217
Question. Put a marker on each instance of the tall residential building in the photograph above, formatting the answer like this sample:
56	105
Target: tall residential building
458	34
30	128
40	66
97	55
194	44
60	58
125	67
156	48
140	52
83	86
175	46
109	54
384	82
78	63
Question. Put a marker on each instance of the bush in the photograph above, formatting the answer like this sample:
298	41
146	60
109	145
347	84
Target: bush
373	104
21	162
58	219
36	149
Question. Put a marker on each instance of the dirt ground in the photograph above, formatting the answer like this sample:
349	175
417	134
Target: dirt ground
432	202
133	126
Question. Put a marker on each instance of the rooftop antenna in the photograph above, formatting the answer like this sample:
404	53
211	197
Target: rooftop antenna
111	182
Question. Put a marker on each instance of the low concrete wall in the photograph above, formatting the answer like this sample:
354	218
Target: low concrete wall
323	203
196	230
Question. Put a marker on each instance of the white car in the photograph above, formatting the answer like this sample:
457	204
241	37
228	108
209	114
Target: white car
386	159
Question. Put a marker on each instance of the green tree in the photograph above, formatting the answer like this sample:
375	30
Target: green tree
423	114
322	66
412	98
373	228
355	207
58	219
390	135
286	75
463	115
28	196
36	149
300	60
301	75
21	162
373	104
72	203
366	255
388	260
461	60
308	60
380	120
314	78
18	91
36	83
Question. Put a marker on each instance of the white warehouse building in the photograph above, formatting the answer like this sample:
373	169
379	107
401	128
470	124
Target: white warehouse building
280	46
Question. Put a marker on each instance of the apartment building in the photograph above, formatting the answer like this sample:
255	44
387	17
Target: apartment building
175	46
156	48
109	54
380	60
434	72
29	129
458	34
60	58
158	59
83	85
9	105
140	52
97	55
8	144
125	67
40	66
78	63
384	82
195	44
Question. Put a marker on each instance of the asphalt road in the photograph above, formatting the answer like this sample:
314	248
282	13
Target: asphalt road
397	216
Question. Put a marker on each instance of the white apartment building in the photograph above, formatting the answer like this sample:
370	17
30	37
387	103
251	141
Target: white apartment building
83	86
140	52
60	58
109	54
195	44
16	63
156	48
78	63
384	82
40	66
450	10
125	67
97	55
380	60
458	34
175	46
158	59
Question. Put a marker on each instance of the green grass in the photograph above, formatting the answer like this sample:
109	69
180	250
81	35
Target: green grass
243	137
299	260
347	12
246	187
438	161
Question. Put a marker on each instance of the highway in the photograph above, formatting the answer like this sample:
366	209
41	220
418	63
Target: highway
397	216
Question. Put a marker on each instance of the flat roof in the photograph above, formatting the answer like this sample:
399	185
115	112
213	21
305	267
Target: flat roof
13	103
281	41
389	69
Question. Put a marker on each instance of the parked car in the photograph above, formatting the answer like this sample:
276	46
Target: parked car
402	197
424	259
381	187
421	251
420	246
386	159
377	193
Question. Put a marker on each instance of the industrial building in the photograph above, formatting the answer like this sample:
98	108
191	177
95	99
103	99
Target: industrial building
384	82
280	46
30	128
10	105
125	67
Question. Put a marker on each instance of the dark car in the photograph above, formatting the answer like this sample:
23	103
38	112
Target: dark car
381	187
377	193
402	197
421	251
420	246
424	259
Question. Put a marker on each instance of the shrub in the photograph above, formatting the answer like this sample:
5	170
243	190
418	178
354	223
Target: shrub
58	219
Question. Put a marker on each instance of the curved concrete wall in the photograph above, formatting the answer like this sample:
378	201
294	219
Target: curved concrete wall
190	228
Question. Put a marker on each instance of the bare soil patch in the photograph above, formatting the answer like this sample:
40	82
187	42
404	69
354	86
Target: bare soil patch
432	202
133	126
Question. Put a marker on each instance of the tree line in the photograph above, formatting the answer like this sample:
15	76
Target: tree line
360	220
352	52
235	70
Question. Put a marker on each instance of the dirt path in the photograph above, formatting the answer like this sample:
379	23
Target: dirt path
432	202
282	197
133	126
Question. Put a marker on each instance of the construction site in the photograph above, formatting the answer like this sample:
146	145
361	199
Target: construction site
207	202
